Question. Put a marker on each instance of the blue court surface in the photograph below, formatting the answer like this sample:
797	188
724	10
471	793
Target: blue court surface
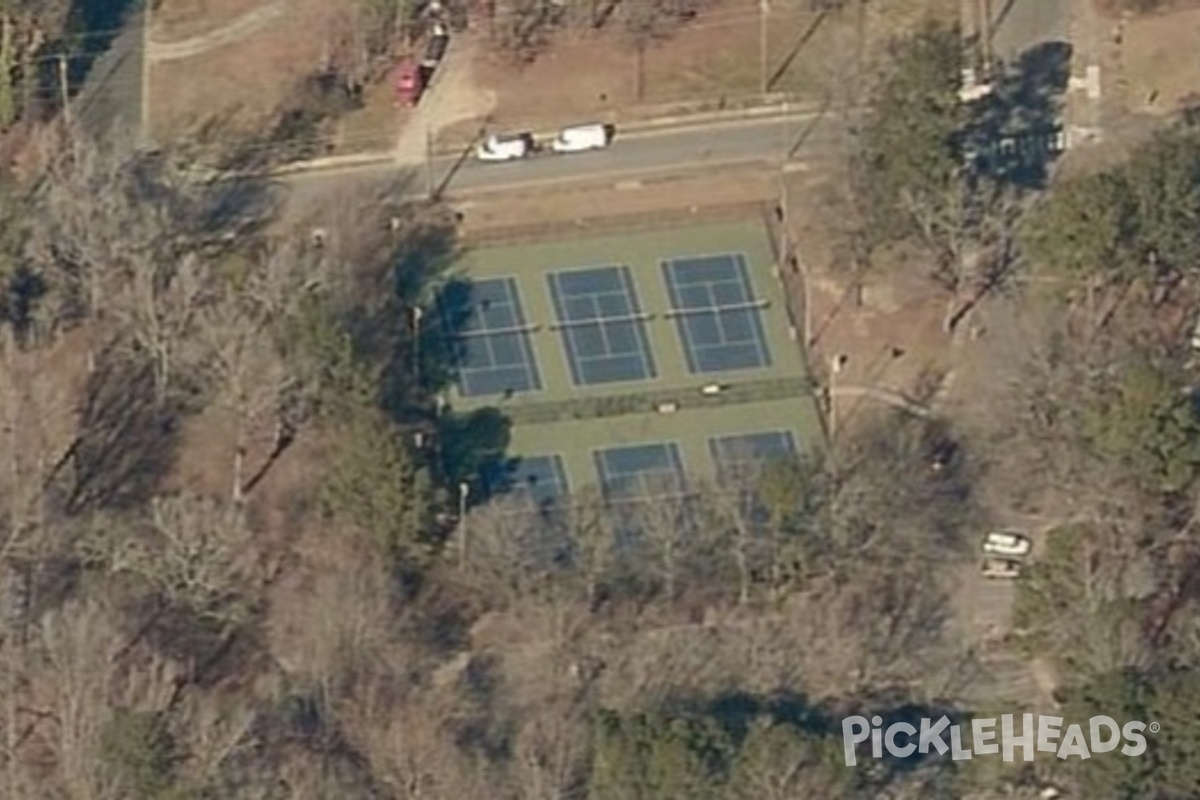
602	326
732	453
718	318
498	357
543	477
640	469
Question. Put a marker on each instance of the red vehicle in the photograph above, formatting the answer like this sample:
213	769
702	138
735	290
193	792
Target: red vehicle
410	82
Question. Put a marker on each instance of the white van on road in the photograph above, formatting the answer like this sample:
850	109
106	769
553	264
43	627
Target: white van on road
505	148
579	138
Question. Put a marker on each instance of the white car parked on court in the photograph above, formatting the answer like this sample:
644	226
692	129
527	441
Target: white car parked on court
579	138
505	148
1007	543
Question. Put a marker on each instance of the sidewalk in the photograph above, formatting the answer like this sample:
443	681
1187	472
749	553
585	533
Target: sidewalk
1083	111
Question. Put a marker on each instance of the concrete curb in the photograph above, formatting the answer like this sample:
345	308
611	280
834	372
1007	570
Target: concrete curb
333	162
312	166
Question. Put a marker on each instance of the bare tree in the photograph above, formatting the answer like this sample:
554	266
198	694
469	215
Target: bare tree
661	516
121	241
550	751
507	558
78	644
217	731
589	529
245	338
194	552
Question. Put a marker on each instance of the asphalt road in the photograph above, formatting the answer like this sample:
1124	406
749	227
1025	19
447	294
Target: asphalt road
1019	25
109	104
638	154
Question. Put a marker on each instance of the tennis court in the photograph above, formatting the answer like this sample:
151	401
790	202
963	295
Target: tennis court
602	326
718	318
543	477
732	454
640	468
498	358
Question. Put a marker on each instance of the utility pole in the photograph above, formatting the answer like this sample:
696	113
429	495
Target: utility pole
764	8
985	37
64	87
144	100
430	189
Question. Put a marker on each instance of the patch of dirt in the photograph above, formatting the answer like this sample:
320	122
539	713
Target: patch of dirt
717	55
890	331
182	19
372	128
1157	61
246	79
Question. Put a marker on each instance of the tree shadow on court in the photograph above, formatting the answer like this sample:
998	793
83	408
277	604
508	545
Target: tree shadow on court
474	449
472	444
1014	132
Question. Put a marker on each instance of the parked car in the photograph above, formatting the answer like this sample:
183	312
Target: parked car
1000	568
506	148
410	82
435	50
1007	543
578	138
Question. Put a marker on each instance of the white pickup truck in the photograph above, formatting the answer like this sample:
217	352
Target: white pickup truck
506	148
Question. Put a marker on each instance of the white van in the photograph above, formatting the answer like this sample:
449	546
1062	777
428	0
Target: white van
1007	543
505	148
578	138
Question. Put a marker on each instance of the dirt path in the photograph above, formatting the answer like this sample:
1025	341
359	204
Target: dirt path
454	97
240	28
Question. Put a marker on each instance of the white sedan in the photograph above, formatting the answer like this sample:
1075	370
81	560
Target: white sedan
1006	543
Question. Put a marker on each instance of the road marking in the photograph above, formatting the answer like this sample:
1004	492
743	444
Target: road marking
629	184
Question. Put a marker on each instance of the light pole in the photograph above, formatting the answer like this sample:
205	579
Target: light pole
430	188
836	365
464	489
764	8
416	333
